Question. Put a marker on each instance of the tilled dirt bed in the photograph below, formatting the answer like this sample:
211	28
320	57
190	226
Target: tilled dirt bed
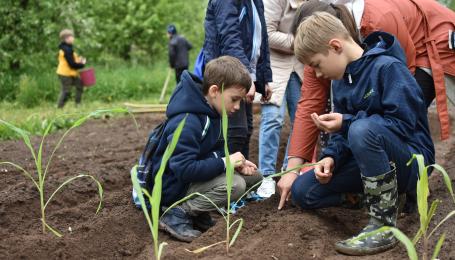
107	148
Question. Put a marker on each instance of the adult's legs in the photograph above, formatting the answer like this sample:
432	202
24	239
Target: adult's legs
65	91
238	130
79	89
426	83
272	118
292	97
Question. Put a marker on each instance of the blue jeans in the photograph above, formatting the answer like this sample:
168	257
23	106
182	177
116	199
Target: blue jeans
272	120
373	146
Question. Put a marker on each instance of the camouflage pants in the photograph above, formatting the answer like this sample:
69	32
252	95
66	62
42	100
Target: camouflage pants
372	147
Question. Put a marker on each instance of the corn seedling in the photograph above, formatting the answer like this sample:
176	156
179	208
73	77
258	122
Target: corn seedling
155	197
39	180
426	214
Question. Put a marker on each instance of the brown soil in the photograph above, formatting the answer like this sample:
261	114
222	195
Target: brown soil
107	149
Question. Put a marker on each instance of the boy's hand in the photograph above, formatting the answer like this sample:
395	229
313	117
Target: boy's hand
248	168
251	93
237	159
83	60
328	122
284	187
324	170
268	94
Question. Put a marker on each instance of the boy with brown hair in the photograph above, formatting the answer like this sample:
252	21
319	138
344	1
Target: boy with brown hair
379	121
68	65
198	161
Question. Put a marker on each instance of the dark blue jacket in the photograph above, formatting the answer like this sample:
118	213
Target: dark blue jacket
225	35
197	156
178	52
380	87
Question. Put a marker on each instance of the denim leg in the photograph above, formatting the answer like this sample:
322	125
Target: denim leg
293	94
292	97
374	146
308	193
269	138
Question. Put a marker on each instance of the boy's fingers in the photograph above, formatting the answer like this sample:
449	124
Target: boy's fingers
284	195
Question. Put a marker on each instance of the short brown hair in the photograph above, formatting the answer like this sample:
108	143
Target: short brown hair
226	72
65	33
314	34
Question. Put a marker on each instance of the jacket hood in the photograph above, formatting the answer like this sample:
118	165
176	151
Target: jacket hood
376	44
188	98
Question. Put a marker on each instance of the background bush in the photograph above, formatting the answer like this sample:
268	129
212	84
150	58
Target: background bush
117	36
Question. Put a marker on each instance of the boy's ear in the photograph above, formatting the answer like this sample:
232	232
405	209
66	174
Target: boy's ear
213	90
336	45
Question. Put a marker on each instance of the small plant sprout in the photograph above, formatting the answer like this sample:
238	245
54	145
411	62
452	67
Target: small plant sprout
155	197
41	172
426	214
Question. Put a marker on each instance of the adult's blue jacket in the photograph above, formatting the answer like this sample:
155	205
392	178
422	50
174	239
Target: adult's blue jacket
380	87
197	156
226	35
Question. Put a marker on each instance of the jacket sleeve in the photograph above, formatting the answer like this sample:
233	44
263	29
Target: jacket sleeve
393	23
279	41
313	99
264	59
185	161
172	55
338	147
69	57
228	27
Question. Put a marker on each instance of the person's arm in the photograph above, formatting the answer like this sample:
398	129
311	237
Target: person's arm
69	57
172	54
228	27
278	41
185	161
393	23
314	95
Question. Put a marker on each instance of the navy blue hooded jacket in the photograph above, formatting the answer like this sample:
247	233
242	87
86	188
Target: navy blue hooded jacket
226	35
380	87
197	156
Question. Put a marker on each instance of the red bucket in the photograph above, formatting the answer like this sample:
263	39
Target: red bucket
88	77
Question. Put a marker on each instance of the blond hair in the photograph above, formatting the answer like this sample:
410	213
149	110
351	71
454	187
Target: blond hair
314	34
65	33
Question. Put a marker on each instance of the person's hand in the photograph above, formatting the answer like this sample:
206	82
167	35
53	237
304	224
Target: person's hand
324	170
237	159
248	168
83	60
251	93
284	187
328	122
268	93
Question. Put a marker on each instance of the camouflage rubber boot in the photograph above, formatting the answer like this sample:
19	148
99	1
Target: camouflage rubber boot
382	203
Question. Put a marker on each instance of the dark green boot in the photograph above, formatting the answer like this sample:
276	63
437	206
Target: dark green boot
382	203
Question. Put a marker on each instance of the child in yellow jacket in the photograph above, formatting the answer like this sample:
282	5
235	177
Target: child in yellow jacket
67	70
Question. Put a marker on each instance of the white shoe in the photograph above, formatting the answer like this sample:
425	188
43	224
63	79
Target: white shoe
267	188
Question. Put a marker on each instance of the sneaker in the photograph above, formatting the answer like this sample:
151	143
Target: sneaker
267	188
